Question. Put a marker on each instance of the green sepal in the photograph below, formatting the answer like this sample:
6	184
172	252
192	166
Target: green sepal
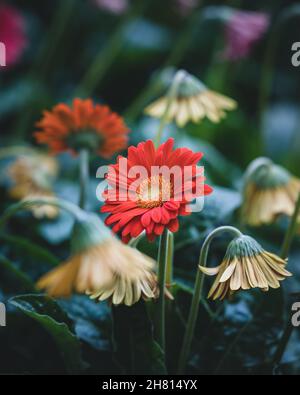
190	86
88	232
243	246
270	176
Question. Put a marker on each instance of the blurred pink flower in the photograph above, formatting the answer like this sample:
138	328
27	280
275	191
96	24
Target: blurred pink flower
12	33
113	6
185	7
243	29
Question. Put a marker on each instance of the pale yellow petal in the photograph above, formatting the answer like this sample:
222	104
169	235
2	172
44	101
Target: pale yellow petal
182	116
158	108
210	271
229	271
236	278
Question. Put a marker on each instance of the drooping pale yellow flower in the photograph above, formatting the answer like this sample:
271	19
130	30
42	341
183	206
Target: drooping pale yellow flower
269	191
246	265
31	178
103	267
193	102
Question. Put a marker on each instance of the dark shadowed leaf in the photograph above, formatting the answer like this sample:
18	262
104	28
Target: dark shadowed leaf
136	350
55	321
92	321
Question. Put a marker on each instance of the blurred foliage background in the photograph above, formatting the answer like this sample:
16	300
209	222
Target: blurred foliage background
86	48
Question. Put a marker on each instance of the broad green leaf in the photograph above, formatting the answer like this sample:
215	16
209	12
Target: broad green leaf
47	312
92	321
12	278
136	350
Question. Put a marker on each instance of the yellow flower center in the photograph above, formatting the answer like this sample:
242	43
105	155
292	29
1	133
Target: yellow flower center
154	191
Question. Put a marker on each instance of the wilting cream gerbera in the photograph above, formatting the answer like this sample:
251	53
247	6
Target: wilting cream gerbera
103	267
269	191
193	102
32	178
246	265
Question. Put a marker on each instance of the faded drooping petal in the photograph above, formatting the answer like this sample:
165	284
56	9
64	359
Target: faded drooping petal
269	191
194	102
32	177
103	267
246	265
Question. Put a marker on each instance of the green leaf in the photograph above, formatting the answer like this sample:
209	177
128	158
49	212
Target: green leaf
136	350
47	312
25	246
92	321
13	276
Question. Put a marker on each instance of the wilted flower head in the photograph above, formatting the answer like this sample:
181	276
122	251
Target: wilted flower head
32	177
269	191
12	33
152	199
113	6
246	265
84	125
102	266
193	102
242	30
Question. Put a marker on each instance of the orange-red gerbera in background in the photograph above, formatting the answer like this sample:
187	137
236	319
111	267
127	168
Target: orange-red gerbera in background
159	201
84	125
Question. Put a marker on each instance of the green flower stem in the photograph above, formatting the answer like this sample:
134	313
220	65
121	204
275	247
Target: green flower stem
152	89
45	58
268	66
160	307
171	97
170	257
184	41
59	26
284	341
107	55
103	61
83	176
292	228
284	254
72	208
190	328
135	241
173	60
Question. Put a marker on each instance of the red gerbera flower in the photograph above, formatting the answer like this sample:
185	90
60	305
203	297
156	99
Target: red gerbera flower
149	200
84	125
